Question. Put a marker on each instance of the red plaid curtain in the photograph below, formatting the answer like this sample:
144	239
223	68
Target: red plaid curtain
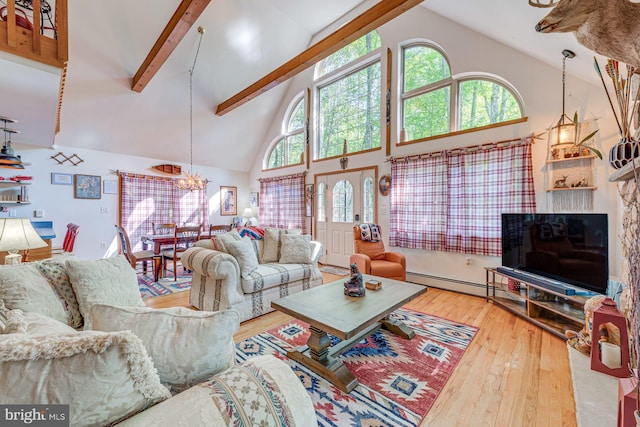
282	202
452	200
147	199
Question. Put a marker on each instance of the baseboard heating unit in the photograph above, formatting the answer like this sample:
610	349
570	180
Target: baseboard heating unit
447	283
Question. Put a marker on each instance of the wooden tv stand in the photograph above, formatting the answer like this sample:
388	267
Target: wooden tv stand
550	310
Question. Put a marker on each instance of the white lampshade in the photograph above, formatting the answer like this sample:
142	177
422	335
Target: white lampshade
247	213
18	234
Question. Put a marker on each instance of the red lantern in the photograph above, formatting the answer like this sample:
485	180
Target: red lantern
612	359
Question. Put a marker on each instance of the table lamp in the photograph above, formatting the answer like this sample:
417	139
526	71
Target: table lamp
247	214
18	234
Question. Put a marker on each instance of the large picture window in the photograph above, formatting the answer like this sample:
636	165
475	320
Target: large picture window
435	103
349	99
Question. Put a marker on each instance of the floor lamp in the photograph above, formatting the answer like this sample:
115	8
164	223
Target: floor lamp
18	234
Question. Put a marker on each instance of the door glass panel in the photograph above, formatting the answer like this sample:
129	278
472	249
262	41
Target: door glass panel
343	202
368	200
320	202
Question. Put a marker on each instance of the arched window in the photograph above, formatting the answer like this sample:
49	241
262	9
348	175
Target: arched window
289	148
343	201
320	202
368	199
435	103
349	98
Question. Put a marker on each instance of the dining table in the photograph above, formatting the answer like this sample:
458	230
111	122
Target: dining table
157	241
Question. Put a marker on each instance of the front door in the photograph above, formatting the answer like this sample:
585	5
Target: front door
345	199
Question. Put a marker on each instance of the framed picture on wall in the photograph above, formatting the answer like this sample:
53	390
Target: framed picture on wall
254	200
61	178
228	201
87	186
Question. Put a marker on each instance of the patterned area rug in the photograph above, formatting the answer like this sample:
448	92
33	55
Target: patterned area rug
338	271
164	286
399	379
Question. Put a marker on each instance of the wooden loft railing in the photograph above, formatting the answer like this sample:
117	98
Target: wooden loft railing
32	44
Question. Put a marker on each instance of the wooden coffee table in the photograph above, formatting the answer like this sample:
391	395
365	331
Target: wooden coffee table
328	311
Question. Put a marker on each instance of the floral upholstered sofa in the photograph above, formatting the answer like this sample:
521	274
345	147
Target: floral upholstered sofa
78	333
247	269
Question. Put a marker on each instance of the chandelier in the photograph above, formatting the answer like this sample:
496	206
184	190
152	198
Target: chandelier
192	181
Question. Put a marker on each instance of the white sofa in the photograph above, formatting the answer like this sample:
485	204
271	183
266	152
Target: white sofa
247	281
138	366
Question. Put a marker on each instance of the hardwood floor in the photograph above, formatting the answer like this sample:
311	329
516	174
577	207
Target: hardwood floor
513	373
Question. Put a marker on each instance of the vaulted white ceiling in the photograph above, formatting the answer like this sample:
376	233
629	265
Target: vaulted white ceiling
244	40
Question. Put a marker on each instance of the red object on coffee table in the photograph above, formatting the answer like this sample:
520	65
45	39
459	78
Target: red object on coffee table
627	401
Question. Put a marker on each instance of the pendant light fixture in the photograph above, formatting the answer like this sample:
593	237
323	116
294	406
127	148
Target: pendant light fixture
8	159
565	129
192	181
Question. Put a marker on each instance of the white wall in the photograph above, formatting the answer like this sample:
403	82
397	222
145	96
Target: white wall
541	89
96	218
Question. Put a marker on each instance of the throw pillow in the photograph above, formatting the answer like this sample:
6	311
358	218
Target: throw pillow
104	376
296	249
23	287
55	272
223	240
19	322
271	249
186	346
104	281
244	252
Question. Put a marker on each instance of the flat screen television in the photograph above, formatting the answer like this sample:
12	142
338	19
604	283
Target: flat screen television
571	248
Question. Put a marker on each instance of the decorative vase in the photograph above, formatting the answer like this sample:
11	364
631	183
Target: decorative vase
623	152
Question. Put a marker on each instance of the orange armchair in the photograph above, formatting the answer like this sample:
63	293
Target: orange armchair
371	258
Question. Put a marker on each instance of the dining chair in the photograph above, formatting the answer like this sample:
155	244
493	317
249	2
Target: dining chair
218	229
133	257
163	228
69	240
183	239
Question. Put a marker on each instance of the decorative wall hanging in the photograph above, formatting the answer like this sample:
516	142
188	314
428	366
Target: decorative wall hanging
228	201
87	186
168	168
385	185
61	158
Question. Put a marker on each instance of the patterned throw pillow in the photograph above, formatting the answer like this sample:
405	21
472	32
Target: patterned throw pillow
252	232
56	274
296	249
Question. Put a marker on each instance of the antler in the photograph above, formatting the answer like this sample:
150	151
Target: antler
538	3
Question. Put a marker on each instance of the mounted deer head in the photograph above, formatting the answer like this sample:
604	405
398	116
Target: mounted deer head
608	27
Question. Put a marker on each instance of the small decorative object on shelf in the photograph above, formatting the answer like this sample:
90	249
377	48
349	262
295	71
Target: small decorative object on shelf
623	152
355	286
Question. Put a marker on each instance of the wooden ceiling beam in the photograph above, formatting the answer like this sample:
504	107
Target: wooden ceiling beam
182	20
383	12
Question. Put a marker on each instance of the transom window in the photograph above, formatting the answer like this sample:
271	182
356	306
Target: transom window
430	95
349	100
289	148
